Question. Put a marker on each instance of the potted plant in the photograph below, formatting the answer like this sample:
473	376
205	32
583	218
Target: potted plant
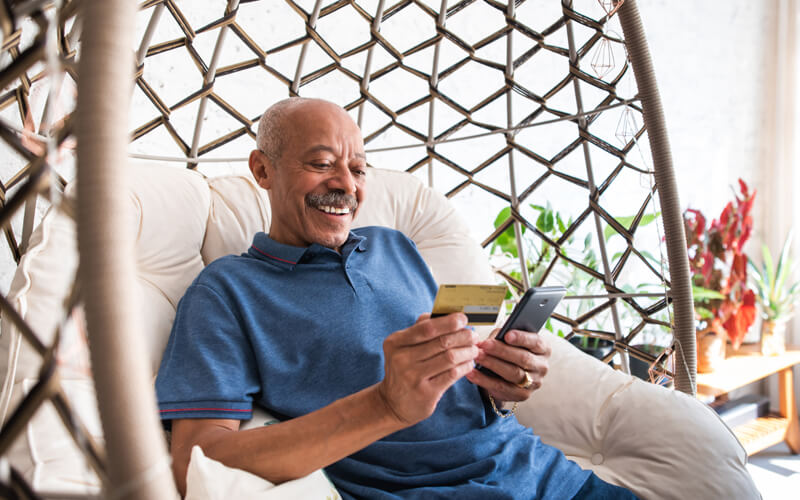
776	295
724	304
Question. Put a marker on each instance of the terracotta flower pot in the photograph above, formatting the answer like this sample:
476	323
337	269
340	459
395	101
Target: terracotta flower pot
710	348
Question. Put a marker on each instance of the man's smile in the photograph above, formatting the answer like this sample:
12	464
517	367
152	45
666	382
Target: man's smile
333	203
334	210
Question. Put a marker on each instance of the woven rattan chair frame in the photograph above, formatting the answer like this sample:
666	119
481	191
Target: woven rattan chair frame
135	463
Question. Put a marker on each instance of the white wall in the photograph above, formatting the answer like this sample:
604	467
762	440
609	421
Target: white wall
709	61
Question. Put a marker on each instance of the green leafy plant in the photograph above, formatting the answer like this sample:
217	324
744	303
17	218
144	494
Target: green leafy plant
549	223
540	253
771	282
703	296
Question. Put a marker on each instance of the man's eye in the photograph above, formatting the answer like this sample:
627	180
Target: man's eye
358	171
320	166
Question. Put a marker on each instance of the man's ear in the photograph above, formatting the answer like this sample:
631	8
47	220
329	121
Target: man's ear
259	166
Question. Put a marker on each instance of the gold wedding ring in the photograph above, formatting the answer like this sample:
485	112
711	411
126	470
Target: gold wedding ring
527	382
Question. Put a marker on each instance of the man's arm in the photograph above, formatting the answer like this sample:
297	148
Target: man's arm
421	363
291	449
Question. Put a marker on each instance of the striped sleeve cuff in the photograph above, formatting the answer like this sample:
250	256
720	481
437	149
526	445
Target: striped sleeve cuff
206	409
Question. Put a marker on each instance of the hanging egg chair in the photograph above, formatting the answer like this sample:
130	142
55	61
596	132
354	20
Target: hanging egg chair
539	123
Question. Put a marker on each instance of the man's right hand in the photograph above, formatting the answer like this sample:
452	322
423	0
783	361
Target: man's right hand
422	362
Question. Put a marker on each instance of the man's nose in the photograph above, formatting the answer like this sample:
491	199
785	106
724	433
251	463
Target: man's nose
342	179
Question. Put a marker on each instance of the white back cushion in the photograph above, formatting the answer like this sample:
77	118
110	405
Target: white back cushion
239	209
170	207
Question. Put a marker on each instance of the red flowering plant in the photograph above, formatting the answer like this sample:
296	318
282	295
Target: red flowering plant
719	266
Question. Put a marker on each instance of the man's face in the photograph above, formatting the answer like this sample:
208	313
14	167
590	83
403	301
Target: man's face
318	183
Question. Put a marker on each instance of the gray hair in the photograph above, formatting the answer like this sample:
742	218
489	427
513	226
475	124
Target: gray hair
272	130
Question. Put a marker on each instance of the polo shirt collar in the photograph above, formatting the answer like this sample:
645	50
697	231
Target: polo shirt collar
354	242
288	256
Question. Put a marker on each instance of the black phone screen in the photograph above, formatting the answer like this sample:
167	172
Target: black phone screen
531	312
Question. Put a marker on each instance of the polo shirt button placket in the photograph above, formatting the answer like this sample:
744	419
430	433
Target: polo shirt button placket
353	274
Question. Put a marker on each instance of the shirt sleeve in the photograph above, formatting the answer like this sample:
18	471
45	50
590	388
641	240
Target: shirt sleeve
208	369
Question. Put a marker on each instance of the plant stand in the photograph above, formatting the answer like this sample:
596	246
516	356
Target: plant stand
744	367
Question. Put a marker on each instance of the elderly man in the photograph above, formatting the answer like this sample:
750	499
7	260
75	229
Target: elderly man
329	330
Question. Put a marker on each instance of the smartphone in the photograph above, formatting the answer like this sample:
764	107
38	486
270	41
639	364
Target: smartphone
533	309
531	312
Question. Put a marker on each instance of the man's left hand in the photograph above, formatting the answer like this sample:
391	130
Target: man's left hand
521	353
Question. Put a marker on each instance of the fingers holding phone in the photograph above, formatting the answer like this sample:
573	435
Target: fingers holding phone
512	371
533	342
528	352
512	364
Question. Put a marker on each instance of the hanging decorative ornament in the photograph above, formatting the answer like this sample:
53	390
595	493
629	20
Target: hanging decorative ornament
610	6
603	58
627	127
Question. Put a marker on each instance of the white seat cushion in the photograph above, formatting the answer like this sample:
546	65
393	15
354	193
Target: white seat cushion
658	442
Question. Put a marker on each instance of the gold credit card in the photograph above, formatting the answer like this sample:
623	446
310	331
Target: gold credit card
480	303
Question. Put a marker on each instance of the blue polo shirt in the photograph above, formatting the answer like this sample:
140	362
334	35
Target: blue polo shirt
295	329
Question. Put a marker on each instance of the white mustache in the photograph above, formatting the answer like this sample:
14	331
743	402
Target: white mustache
332	199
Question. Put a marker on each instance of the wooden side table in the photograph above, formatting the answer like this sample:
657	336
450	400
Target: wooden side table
748	365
